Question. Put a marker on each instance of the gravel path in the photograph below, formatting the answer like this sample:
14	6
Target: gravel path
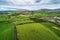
15	32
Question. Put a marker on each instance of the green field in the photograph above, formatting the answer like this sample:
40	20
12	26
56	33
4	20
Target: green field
52	27
6	31
35	31
27	28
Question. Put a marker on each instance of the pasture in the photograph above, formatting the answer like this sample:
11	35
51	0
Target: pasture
35	31
6	31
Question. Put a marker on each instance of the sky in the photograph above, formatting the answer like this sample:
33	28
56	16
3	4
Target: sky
29	4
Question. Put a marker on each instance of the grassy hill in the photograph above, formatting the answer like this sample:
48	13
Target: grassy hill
35	31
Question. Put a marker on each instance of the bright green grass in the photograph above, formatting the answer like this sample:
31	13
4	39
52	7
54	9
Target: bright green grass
35	31
6	31
52	27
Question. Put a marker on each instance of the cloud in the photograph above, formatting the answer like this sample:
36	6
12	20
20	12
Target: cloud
55	1
21	2
45	1
29	4
24	2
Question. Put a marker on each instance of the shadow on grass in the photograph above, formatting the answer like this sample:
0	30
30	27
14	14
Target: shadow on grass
25	23
50	26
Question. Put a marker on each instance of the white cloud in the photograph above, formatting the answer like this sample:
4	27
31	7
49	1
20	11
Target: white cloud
45	1
29	4
21	2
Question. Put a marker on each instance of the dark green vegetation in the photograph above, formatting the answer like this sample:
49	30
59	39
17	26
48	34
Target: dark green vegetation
27	28
6	31
6	28
52	27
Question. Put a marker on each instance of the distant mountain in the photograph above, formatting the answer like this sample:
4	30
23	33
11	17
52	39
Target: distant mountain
53	10
14	9
11	9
